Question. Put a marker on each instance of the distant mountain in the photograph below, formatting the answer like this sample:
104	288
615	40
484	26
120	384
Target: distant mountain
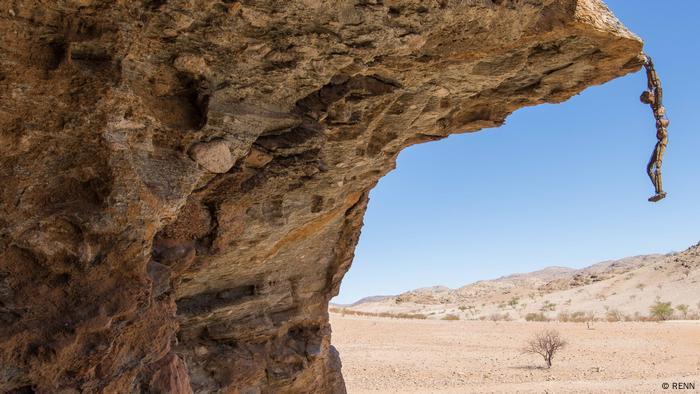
366	300
627	286
548	273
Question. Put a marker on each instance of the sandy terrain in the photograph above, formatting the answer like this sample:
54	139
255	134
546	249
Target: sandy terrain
383	355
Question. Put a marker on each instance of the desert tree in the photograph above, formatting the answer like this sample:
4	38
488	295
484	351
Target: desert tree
545	343
661	310
683	309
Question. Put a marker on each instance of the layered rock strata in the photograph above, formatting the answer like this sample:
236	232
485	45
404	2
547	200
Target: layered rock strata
184	181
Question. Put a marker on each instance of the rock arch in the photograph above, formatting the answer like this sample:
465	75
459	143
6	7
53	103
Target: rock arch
127	266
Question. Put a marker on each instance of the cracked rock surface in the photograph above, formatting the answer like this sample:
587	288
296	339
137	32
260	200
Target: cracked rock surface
184	181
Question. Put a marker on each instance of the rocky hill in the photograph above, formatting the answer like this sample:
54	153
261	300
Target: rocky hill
622	288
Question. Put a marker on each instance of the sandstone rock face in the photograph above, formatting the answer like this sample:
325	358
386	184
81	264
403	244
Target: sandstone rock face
127	266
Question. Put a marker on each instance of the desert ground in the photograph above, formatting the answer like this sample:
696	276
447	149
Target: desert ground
384	355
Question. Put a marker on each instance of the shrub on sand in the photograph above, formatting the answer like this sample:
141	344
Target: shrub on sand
536	317
545	343
661	310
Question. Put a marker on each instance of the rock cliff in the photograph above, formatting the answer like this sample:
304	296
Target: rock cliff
184	181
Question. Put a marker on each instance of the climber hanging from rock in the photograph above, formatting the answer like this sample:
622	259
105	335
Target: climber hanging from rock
654	97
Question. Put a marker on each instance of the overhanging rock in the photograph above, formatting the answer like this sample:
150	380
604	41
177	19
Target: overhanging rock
183	181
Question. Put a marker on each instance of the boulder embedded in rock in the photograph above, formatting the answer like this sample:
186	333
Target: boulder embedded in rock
214	156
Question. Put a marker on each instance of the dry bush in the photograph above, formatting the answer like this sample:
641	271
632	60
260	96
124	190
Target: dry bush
632	317
536	317
450	317
345	311
500	317
545	343
614	315
472	310
638	317
419	316
577	317
582	317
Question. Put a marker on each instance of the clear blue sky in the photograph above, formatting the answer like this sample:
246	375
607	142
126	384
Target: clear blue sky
557	185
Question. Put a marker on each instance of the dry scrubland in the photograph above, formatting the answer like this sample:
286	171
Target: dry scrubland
619	290
383	355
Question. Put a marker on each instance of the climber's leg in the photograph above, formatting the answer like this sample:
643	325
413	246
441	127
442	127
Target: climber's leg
650	167
656	174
